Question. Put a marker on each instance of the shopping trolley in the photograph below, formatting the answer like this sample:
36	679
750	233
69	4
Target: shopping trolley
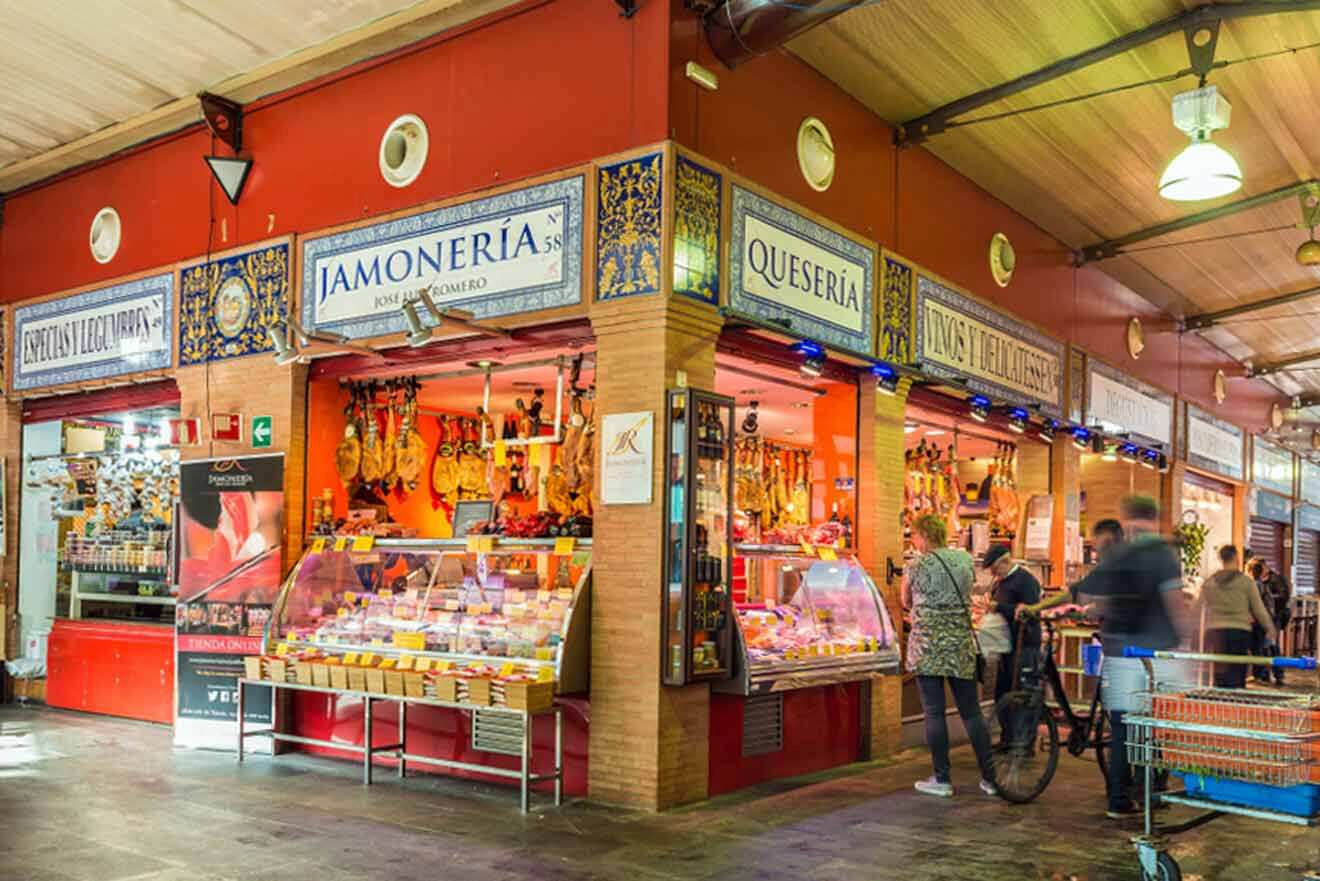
1249	753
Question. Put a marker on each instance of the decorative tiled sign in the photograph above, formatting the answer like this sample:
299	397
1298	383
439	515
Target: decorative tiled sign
1214	445
111	331
1121	404
787	269
1271	467
696	232
629	209
519	251
227	305
897	306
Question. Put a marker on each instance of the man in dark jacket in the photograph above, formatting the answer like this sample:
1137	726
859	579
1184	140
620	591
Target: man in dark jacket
1276	592
1014	587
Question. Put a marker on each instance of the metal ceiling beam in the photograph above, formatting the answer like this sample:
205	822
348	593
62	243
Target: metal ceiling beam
939	120
1114	247
1210	319
1277	366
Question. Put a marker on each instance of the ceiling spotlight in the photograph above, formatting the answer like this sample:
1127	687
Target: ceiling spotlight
979	407
1047	431
418	335
1081	438
1150	459
1110	454
886	378
1128	452
909	427
1017	420
285	350
813	357
749	421
1308	252
1203	170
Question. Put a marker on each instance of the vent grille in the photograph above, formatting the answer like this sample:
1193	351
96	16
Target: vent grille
763	725
497	732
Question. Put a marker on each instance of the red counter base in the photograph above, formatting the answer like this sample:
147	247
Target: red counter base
443	733
822	729
112	668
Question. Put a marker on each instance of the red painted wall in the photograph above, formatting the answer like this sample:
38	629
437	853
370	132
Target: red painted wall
912	202
553	84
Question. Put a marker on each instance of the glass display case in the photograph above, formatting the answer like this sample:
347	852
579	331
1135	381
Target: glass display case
479	600
698	643
809	619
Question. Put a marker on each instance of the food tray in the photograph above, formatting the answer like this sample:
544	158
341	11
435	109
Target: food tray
1301	801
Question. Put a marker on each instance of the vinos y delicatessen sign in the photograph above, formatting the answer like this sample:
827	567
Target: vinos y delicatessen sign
514	252
124	328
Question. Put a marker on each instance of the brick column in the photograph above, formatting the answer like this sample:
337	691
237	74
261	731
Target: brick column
1066	487
880	537
255	387
11	448
649	744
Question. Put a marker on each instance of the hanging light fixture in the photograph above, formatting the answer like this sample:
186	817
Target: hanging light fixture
979	407
813	357
1203	170
1046	433
418	335
285	351
1017	420
1128	452
1150	459
1081	438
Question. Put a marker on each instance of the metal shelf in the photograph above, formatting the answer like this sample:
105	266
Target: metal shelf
126	598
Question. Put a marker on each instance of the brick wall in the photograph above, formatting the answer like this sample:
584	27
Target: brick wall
649	743
11	448
255	386
880	536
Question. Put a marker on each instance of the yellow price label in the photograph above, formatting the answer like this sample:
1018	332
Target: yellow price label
827	554
412	640
364	543
421	665
442	666
564	546
331	639
341	543
351	658
545	653
341	612
507	670
377	641
385	593
368	659
290	637
806	547
406	662
282	649
318	545
501	454
480	544
545	674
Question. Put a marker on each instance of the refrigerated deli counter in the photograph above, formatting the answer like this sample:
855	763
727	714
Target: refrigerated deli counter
811	631
481	603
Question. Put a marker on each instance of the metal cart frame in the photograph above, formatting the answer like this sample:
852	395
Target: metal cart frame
1279	753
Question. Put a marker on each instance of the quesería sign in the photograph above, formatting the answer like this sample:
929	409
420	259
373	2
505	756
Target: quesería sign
515	252
121	329
787	266
957	336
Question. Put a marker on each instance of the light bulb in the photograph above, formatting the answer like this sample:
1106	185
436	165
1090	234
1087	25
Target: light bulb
1203	170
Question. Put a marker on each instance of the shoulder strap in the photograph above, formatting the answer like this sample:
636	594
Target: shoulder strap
958	593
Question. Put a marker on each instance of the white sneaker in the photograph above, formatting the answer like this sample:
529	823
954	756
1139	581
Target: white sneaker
989	788
931	786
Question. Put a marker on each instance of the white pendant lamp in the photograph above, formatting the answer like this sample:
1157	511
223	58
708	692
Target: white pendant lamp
1203	170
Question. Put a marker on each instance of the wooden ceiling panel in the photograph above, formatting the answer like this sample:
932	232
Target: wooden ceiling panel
1088	170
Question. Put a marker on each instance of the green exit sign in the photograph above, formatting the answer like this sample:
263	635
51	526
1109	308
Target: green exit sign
263	431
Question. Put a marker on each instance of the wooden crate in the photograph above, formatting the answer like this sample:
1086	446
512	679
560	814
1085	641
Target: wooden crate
278	668
394	682
357	678
375	680
414	684
252	667
534	697
446	688
320	674
479	692
302	672
339	676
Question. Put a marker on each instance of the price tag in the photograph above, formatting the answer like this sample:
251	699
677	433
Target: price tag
545	653
318	545
485	544
827	554
543	596
377	641
501	454
441	666
564	546
290	637
507	670
422	665
806	547
412	640
351	658
364	543
545	674
341	612
349	597
406	662
282	649
368	660
385	593
331	639
341	543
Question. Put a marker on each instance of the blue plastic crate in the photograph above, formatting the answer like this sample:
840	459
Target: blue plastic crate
1301	801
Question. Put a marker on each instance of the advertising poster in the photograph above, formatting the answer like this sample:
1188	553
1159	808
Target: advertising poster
628	460
230	535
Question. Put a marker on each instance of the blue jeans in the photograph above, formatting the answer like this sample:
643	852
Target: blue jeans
937	727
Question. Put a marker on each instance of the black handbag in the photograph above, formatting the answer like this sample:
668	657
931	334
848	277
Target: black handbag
980	656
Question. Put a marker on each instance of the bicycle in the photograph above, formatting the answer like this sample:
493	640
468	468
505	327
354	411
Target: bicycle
1026	751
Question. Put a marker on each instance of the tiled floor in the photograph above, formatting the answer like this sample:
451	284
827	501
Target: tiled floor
96	799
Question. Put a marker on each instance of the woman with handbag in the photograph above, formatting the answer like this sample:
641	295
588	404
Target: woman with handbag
942	650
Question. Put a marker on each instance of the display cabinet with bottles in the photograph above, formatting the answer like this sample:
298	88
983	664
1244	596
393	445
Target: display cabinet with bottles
809	619
475	601
697	614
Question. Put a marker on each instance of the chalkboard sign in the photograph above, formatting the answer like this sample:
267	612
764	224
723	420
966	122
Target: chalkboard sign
469	514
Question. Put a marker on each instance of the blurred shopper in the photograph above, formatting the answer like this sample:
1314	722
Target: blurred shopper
1106	538
1014	588
1259	570
942	650
1276	593
1232	604
1138	585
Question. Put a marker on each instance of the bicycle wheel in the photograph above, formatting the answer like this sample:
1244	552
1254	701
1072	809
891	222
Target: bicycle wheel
1026	749
1101	741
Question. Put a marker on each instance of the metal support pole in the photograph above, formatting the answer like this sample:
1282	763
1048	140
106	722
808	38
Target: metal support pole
240	722
526	758
366	743
403	738
559	755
